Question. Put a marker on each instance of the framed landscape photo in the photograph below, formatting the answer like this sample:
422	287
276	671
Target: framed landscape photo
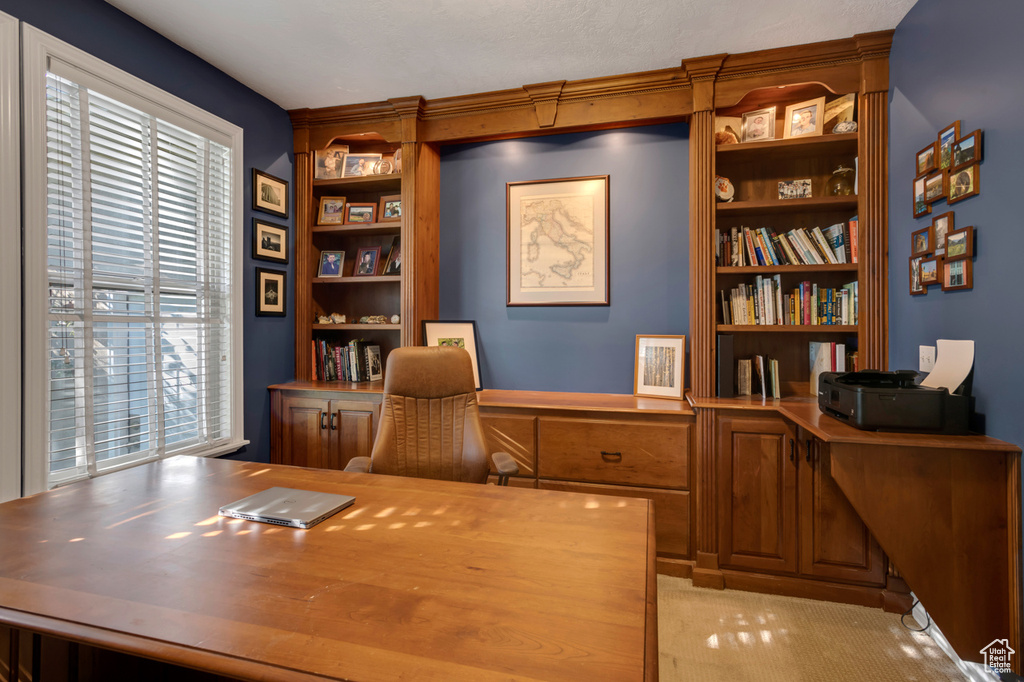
960	244
270	292
329	164
804	118
360	214
458	333
331	264
957	275
935	187
930	270
967	150
926	160
557	242
269	241
759	125
922	241
360	164
366	261
658	366
921	207
269	194
332	211
963	183
947	136
916	288
390	207
941	225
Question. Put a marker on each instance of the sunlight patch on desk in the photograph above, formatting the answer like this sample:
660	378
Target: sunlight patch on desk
354	513
258	473
396	526
212	533
423	524
384	513
76	539
439	511
412	511
243	532
366	526
592	504
210	521
178	536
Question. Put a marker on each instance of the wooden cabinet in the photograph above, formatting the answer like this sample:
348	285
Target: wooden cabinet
321	428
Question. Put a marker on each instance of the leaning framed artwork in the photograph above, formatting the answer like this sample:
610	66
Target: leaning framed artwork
458	333
270	292
658	366
269	194
557	242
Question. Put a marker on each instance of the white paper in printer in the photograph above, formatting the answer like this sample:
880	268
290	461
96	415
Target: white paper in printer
953	362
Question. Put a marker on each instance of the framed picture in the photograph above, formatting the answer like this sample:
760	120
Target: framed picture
331	263
391	207
269	241
269	194
759	125
804	118
332	211
941	225
366	261
916	288
795	189
967	150
963	183
557	241
926	160
960	244
947	136
840	110
921	207
360	164
270	292
393	265
727	129
329	164
658	366
376	366
458	333
922	242
930	270
935	187
957	275
360	214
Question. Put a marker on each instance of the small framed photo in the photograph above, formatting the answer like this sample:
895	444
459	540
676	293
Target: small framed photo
727	130
269	241
916	288
331	263
935	187
960	244
270	293
360	214
839	114
329	164
947	137
967	150
963	183
366	261
804	118
921	207
941	226
957	275
332	211
930	270
795	189
922	242
393	265
759	125
269	194
926	160
458	333
360	164
390	207
376	366
658	366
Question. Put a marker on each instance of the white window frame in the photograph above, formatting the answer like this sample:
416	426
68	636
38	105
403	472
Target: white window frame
38	48
10	262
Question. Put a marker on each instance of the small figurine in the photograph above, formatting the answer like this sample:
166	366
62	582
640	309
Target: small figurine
395	319
337	318
323	319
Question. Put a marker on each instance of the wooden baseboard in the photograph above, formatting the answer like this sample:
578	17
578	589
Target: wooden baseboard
803	587
896	595
679	568
706	572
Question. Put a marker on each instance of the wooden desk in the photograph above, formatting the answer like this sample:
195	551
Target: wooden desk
421	580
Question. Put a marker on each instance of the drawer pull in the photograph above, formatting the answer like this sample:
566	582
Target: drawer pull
611	456
323	420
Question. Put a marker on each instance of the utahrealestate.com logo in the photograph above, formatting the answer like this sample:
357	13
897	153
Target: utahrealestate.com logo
998	655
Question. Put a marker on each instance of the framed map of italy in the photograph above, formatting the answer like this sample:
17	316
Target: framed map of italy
557	234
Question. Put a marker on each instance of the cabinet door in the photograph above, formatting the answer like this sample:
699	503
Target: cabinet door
303	429
350	428
757	494
834	542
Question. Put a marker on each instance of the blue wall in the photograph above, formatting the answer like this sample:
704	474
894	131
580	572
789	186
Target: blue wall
581	348
111	35
953	62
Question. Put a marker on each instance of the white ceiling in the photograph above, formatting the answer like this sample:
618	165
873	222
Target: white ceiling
317	53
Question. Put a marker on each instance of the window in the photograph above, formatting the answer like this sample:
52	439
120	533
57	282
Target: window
134	246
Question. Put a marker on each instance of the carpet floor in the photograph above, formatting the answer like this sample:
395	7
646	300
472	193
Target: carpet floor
713	635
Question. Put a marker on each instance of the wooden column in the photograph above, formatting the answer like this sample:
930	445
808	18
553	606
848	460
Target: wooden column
303	247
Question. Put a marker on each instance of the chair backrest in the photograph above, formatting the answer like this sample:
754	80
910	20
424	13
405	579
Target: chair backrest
430	422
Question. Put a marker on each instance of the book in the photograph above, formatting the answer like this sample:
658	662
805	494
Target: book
854	237
823	246
820	361
743	386
834	237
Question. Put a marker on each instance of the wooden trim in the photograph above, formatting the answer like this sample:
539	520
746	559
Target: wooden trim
802	587
651	624
874	231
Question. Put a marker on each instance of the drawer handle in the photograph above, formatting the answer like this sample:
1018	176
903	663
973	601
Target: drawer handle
808	457
611	456
333	416
323	420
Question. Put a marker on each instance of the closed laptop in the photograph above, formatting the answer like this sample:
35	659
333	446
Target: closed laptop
287	507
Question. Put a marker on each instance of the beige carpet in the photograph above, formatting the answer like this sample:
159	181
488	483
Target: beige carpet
730	635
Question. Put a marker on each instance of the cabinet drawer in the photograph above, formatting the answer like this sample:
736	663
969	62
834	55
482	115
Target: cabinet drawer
630	453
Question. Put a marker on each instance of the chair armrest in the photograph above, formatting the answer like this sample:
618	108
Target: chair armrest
359	465
505	465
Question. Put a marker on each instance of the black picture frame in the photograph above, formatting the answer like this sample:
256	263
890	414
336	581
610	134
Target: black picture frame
273	304
269	241
269	194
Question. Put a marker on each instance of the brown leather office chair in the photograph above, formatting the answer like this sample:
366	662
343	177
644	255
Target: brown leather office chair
430	423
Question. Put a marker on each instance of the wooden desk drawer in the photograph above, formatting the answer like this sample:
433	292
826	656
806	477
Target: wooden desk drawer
630	453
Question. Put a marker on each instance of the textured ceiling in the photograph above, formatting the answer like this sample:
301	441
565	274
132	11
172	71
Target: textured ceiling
316	53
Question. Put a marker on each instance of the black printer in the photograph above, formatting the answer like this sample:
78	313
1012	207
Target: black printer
874	400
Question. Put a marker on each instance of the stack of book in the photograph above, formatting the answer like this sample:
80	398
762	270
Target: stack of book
765	303
829	356
357	360
742	246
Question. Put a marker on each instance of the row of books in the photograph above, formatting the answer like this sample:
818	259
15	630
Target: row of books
741	246
760	374
765	379
765	303
357	360
829	356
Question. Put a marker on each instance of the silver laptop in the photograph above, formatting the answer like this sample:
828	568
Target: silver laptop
287	507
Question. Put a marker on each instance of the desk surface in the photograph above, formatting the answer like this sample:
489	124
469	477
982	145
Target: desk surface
421	580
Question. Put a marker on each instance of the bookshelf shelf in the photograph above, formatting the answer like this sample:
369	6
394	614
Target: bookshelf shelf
773	269
787	328
782	206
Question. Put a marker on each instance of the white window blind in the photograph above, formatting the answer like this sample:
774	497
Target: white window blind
138	262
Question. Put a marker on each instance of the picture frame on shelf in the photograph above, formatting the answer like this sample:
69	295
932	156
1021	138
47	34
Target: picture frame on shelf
390	208
393	264
376	365
921	207
960	243
357	165
360	213
926	160
957	274
804	119
922	242
728	130
964	183
840	110
931	270
332	211
332	264
935	186
269	241
795	189
458	333
759	125
967	150
329	164
941	225
269	194
916	288
658	366
584	279
947	137
367	259
271	295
